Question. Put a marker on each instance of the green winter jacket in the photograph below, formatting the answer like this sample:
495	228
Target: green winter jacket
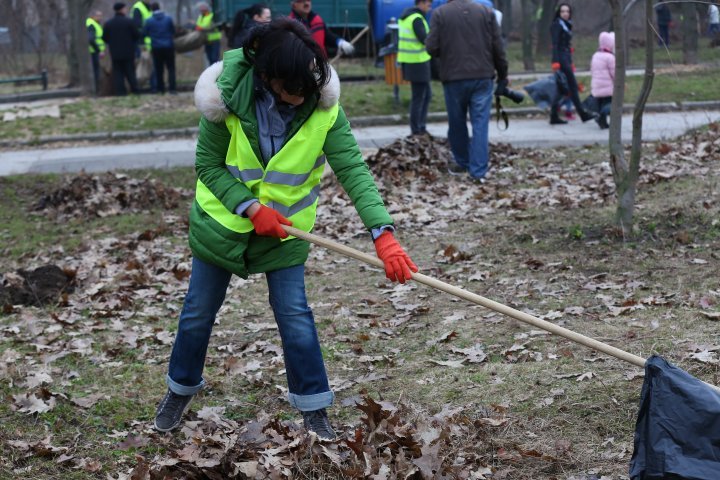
227	88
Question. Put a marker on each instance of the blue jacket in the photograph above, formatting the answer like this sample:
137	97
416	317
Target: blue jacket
160	29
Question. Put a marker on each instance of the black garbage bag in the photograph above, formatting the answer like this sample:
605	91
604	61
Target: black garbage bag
677	435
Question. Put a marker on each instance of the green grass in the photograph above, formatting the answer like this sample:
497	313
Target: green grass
364	98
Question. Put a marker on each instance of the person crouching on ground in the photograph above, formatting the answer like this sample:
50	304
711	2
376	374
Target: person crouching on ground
270	121
602	70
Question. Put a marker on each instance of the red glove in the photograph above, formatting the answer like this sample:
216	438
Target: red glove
555	66
572	65
267	222
397	263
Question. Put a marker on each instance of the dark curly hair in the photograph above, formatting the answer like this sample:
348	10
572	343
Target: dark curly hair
284	50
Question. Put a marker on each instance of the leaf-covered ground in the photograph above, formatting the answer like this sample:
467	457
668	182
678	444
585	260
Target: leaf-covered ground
427	386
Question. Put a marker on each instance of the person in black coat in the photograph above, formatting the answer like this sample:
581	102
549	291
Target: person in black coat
561	35
664	19
121	37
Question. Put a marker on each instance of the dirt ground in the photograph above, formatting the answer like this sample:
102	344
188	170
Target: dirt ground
427	386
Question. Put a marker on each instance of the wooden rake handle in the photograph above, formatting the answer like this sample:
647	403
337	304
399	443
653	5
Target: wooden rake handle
474	298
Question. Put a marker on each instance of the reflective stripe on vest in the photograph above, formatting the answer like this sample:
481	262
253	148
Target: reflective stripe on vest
205	22
410	50
98	34
145	13
290	183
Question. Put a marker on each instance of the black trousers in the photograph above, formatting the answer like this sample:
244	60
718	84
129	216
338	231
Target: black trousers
566	68
164	58
421	95
124	69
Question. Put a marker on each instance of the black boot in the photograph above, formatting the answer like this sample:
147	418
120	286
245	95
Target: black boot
586	115
602	122
556	120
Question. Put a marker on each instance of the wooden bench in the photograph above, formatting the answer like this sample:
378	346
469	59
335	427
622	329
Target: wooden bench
42	77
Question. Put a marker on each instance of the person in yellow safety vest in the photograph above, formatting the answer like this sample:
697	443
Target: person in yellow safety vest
415	62
141	12
97	45
267	130
205	23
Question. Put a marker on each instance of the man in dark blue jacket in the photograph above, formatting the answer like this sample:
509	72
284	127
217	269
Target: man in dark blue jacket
161	30
120	35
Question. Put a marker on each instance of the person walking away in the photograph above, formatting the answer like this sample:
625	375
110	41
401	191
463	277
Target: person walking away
266	132
465	38
415	62
301	10
664	19
713	21
205	23
121	36
245	20
561	36
602	72
97	45
161	30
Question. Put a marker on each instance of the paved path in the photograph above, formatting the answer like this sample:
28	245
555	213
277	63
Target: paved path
532	132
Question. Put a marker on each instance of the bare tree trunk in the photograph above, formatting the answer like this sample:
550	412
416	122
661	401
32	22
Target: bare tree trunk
690	33
618	164
527	50
505	6
629	186
79	54
543	47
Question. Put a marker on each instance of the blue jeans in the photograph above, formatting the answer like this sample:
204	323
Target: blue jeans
212	52
307	380
475	95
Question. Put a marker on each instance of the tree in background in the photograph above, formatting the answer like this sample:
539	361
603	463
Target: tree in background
689	33
546	11
527	47
626	174
78	53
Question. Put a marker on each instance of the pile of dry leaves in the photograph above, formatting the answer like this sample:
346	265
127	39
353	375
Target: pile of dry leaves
88	196
386	445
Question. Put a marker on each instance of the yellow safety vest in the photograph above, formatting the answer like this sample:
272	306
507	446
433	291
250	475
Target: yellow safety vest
98	34
290	183
145	13
205	22
410	50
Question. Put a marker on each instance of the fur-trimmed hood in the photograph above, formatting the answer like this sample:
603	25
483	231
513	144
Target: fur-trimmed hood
209	98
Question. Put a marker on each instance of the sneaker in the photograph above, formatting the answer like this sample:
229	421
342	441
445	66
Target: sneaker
317	421
477	180
170	411
455	169
602	122
557	121
569	115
